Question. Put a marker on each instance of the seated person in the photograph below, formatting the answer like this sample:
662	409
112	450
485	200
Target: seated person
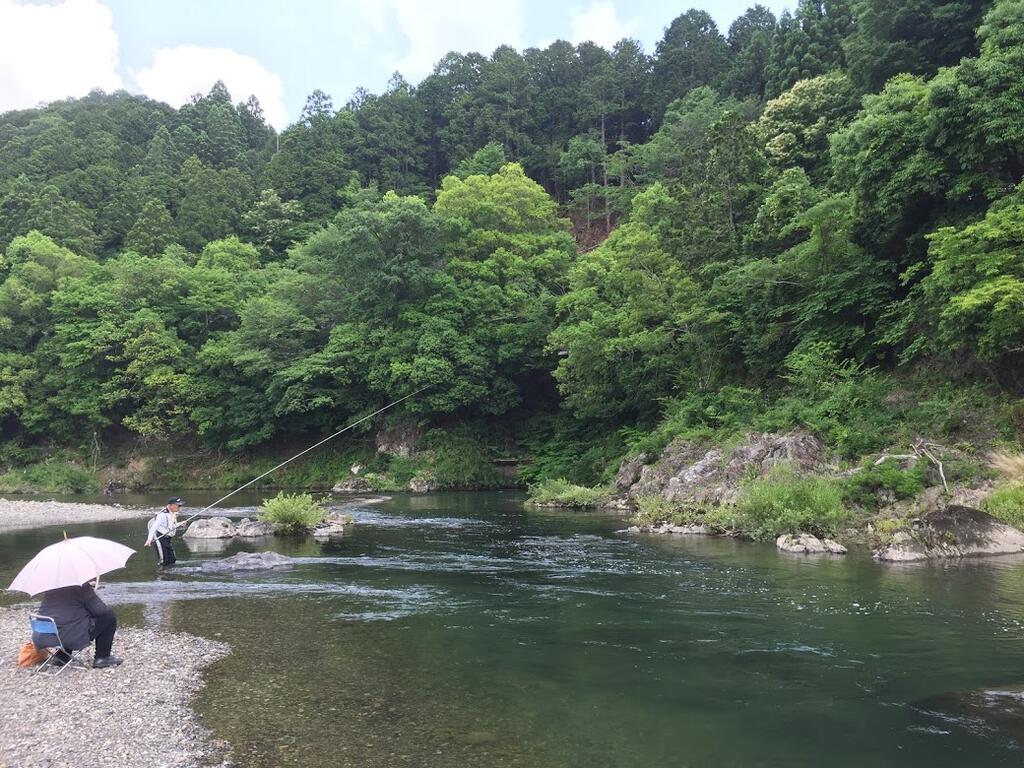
81	617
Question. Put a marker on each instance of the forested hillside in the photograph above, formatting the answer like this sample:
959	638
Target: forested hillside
808	220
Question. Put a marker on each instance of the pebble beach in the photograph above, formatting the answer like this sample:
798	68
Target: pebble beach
124	716
15	514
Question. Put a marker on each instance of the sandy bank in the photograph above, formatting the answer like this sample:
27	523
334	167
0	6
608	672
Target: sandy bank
125	716
16	514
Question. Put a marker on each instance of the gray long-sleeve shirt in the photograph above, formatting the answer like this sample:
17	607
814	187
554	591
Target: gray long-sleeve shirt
74	609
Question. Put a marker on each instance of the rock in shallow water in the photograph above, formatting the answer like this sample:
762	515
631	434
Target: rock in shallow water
807	544
334	525
211	528
253	528
248	561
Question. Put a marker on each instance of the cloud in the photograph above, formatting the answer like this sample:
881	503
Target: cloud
430	30
179	72
54	51
599	23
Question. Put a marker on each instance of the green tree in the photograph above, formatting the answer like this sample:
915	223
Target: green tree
692	53
970	301
750	37
807	43
485	161
909	36
212	204
153	230
796	126
273	225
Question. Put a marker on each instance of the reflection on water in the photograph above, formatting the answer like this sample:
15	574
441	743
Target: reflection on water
461	630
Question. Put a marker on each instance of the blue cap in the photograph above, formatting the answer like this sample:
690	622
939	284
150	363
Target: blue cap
175	500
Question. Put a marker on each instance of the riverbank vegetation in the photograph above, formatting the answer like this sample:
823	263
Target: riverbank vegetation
808	221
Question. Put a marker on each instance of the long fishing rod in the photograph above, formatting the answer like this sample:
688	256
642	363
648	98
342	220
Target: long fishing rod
301	453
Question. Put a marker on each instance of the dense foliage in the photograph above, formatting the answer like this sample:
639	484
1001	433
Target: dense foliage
771	226
292	512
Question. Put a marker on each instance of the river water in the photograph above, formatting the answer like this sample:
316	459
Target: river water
464	630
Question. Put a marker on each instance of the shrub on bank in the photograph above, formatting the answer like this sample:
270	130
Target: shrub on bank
292	513
562	493
48	477
782	502
1007	503
862	488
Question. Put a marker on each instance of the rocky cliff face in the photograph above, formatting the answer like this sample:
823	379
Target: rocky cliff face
688	471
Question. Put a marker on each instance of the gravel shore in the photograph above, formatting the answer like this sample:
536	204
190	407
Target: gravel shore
124	716
37	514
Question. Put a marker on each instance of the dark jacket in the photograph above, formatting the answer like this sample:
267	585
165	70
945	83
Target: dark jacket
74	609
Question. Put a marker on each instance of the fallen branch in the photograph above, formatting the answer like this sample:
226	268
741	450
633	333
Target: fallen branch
921	448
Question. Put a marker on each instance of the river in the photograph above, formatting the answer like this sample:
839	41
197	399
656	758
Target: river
465	630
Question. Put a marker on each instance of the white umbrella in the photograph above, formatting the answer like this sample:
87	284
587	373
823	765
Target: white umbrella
70	562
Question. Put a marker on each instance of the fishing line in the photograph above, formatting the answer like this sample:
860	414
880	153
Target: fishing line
301	453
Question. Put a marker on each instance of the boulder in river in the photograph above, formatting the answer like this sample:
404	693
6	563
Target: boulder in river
248	561
681	530
334	525
254	528
808	544
211	528
952	532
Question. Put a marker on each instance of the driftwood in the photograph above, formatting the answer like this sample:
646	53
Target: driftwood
920	449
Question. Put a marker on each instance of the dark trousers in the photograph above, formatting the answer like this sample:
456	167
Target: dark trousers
164	550
104	627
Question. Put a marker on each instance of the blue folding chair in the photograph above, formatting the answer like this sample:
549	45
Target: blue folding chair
44	625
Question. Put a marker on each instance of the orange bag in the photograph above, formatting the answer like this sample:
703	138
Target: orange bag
31	656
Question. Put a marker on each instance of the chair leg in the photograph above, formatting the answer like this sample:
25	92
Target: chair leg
43	666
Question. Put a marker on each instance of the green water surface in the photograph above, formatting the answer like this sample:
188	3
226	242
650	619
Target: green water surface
463	630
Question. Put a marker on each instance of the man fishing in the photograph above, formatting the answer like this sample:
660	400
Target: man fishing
161	531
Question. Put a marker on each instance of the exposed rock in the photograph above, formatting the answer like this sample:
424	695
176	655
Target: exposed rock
800	543
971	497
248	561
617	504
954	531
351	485
902	548
422	483
677	456
629	471
399	441
807	544
800	450
334	525
253	528
211	528
690	472
698	482
834	547
663	529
